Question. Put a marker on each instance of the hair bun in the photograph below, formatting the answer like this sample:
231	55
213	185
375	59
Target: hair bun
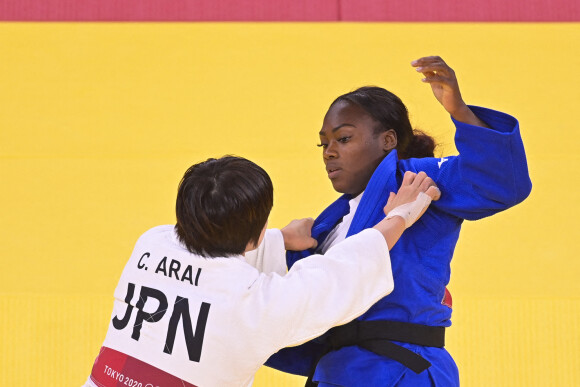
421	145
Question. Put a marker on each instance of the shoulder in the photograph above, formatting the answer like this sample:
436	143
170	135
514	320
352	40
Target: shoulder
166	232
159	230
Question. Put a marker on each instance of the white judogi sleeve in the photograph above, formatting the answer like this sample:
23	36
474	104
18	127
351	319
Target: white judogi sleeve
322	291
270	256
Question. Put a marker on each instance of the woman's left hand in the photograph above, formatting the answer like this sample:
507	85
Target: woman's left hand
444	84
297	235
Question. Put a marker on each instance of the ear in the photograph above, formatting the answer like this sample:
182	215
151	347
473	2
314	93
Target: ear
389	140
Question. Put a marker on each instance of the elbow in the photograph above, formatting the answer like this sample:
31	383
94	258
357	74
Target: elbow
502	199
523	189
514	193
522	182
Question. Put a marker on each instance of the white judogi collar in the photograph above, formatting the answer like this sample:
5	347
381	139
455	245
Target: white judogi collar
338	234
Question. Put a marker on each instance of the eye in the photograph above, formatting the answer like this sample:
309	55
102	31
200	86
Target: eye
344	139
323	146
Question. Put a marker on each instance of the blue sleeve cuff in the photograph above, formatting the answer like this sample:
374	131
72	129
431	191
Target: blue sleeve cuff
496	120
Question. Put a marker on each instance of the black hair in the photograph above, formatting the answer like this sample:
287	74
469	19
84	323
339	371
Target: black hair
222	205
390	113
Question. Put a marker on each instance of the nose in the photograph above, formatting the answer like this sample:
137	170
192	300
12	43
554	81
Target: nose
330	151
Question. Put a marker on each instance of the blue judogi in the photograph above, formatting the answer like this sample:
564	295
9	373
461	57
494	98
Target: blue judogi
489	175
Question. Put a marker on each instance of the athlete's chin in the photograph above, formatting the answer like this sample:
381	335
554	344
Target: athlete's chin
347	187
339	186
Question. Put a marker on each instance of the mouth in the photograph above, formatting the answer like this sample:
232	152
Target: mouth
333	172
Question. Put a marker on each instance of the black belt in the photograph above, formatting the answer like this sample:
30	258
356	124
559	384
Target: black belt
376	336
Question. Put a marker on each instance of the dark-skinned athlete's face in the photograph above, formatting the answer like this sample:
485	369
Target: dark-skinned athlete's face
350	148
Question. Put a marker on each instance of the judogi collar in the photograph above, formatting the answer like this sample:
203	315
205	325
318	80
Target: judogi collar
369	211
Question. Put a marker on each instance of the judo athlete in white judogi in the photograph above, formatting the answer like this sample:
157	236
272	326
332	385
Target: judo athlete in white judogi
198	305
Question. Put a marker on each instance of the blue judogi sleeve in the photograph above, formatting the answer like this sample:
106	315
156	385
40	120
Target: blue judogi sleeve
489	175
297	360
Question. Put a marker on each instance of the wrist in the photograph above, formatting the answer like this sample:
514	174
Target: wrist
396	221
410	212
462	113
467	116
391	229
389	224
286	238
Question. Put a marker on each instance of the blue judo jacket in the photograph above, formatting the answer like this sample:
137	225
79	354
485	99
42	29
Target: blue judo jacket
489	175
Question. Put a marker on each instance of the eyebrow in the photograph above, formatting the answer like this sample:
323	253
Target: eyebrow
321	133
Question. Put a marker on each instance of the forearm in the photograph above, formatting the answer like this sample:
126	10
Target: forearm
465	114
493	161
489	175
327	290
392	229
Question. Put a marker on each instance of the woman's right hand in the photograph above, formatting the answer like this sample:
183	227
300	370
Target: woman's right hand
406	206
407	202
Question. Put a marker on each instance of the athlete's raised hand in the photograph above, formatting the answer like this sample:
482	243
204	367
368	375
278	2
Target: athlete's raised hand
443	82
445	87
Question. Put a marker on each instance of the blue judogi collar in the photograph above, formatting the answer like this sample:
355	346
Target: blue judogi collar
368	213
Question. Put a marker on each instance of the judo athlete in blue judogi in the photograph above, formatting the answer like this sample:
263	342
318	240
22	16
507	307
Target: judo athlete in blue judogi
368	144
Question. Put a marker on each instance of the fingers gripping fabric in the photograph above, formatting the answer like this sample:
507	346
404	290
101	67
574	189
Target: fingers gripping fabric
410	212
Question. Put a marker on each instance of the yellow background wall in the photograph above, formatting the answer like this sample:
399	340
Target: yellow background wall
98	122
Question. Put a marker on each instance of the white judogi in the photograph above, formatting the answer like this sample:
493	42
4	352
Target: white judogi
248	306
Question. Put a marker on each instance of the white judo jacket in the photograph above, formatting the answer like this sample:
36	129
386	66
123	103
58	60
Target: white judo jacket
181	319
